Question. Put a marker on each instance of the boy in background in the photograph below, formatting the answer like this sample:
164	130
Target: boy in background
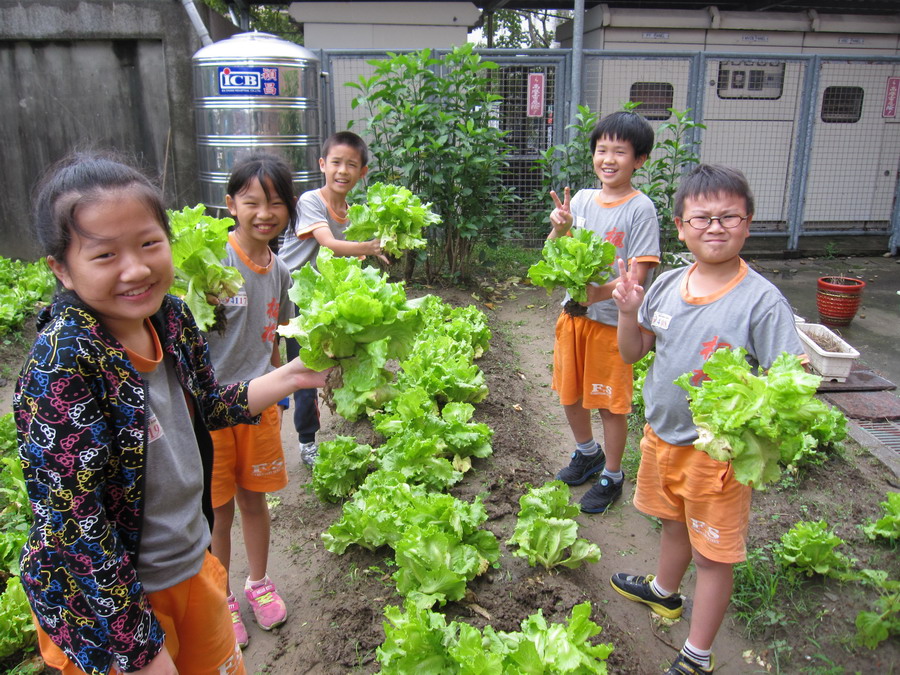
321	221
686	316
588	372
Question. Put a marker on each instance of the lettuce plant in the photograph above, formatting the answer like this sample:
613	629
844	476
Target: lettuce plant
393	215
467	325
341	466
573	262
444	368
545	531
888	526
23	287
760	422
417	639
809	547
198	249
351	315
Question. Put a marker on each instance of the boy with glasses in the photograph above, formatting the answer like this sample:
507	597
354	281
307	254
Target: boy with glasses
689	313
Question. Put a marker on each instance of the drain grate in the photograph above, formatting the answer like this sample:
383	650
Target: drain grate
887	432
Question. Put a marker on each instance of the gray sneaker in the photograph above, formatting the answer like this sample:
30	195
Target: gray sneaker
309	452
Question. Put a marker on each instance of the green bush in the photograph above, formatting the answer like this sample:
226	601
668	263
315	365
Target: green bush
432	127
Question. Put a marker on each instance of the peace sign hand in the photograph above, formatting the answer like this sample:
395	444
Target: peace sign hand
561	217
628	293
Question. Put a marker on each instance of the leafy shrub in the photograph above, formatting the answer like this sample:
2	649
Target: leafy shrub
432	128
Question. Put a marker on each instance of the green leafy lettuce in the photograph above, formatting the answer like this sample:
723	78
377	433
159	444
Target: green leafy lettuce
546	532
760	423
418	640
23	288
393	215
888	526
342	464
467	325
444	368
351	315
809	547
573	262
198	249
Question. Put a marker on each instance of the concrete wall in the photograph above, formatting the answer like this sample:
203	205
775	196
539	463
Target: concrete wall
384	25
81	74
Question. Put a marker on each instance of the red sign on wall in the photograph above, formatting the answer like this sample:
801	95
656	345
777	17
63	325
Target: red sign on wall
535	94
890	97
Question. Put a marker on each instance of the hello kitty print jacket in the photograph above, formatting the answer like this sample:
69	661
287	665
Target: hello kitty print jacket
81	416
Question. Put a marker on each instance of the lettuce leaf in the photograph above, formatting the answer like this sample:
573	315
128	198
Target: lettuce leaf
760	423
393	215
198	249
573	262
341	466
545	531
350	314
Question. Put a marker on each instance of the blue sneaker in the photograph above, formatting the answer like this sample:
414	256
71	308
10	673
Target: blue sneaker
582	467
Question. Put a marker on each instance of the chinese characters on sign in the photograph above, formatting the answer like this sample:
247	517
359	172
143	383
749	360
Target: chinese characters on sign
890	97
248	80
535	95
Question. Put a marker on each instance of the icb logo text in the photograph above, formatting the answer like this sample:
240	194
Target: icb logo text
255	81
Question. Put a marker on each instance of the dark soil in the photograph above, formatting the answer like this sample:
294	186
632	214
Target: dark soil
336	603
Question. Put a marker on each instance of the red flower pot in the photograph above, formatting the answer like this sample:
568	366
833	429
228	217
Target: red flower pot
837	299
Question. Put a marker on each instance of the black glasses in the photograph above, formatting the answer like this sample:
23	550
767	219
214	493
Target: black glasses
728	222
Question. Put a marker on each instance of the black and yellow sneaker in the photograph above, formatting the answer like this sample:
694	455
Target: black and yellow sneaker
682	665
638	588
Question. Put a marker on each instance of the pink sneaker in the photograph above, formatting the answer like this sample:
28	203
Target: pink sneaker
268	607
240	631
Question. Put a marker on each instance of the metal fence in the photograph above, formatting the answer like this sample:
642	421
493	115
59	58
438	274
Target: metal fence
817	136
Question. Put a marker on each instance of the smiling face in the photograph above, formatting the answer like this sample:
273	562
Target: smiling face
615	163
715	244
119	263
343	167
260	217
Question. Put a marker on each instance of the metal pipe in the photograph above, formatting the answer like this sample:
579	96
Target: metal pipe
197	22
577	62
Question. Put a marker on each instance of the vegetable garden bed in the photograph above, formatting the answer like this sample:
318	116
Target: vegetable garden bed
337	602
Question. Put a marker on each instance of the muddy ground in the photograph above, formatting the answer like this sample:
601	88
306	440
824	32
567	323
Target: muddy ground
336	602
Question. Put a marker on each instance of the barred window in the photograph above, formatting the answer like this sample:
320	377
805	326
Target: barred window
842	104
761	80
654	99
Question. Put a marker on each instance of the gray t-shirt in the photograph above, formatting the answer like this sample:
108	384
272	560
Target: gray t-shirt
175	534
630	225
300	246
244	351
748	312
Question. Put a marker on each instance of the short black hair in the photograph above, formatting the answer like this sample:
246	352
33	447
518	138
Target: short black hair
709	180
263	166
346	138
625	126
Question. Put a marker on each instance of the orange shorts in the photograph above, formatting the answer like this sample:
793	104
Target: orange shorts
587	366
249	455
679	482
195	617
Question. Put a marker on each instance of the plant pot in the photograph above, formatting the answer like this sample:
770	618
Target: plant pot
837	299
828	354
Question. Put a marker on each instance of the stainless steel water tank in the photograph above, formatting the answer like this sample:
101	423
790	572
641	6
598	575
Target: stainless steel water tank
255	91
